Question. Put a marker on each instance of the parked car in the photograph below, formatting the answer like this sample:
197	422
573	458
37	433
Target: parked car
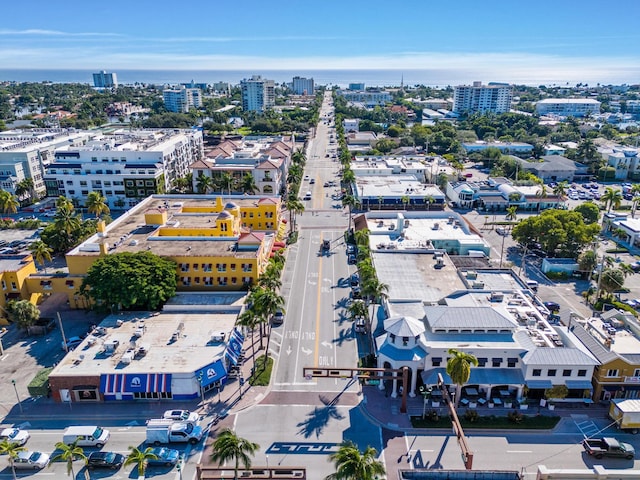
360	325
356	292
552	306
351	249
71	344
27	460
110	460
166	456
181	415
354	280
278	318
608	447
352	260
15	435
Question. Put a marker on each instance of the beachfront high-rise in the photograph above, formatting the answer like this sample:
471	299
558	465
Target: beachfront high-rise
478	98
182	99
302	86
104	79
258	94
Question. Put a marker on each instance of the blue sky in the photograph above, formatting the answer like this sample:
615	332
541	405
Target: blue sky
493	39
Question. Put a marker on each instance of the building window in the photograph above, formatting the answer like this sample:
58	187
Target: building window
582	373
14	286
511	362
612	373
206	267
636	372
233	267
536	372
222	281
566	372
207	281
247	267
482	362
496	362
186	281
221	267
551	372
195	267
196	280
184	267
405	341
436	361
234	280
4	285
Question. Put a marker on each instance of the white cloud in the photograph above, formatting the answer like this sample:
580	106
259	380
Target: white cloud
56	33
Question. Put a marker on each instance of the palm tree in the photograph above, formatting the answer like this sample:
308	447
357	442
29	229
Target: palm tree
348	177
612	198
351	464
405	201
11	449
270	278
250	319
226	180
299	157
428	200
97	204
229	447
267	303
25	187
512	213
561	189
357	309
204	183
69	454
248	184
140	457
351	202
8	203
459	369
295	207
41	252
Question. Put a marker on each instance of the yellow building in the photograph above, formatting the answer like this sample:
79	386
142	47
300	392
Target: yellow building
217	244
14	271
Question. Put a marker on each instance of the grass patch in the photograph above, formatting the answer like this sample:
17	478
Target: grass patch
516	421
262	374
617	250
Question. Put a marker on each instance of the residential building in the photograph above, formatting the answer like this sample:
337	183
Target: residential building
258	94
125	166
555	168
554	150
351	125
221	87
369	98
625	160
479	98
202	86
361	141
513	148
104	79
267	159
356	86
568	107
302	86
182	99
27	153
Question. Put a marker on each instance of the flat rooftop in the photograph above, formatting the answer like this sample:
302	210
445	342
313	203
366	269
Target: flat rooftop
395	185
192	348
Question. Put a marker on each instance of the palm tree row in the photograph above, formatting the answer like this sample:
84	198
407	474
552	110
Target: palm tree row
226	181
8	203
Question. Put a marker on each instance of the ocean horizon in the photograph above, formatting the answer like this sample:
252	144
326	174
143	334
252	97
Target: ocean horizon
371	78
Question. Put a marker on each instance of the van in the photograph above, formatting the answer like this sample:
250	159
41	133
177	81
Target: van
307	196
91	436
532	285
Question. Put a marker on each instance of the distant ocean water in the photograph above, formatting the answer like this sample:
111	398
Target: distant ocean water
439	78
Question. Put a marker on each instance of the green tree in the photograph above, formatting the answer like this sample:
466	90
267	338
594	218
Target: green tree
352	202
23	313
97	204
459	369
561	190
612	280
69	454
11	449
248	184
357	309
351	464
41	253
127	280
589	211
140	458
587	261
8	203
512	213
612	198
204	183
428	200
25	189
227	181
295	207
230	447
299	157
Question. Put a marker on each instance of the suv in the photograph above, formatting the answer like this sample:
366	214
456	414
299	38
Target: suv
326	245
278	318
110	460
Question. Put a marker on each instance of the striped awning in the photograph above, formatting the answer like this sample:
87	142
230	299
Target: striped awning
211	373
113	383
234	347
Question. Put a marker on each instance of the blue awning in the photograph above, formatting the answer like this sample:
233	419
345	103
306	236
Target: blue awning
579	384
403	354
539	384
211	373
234	347
479	376
112	383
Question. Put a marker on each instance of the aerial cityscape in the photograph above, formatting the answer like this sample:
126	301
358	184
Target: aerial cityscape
315	243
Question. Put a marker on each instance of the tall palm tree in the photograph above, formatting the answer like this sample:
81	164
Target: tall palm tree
351	464
405	201
229	447
140	458
226	180
250	319
8	203
348	177
428	200
357	309
11	449
512	213
299	157
270	278
267	303
25	188
64	202
248	184
41	253
459	369
612	198
561	189
69	454
97	204
204	183
295	207
66	220
351	202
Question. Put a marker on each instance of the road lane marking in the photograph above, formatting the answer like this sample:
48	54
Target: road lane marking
519	451
319	295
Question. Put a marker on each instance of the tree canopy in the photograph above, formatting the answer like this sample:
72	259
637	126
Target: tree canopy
561	233
131	281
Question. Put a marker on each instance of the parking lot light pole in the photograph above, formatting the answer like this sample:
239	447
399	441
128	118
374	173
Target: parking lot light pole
13	382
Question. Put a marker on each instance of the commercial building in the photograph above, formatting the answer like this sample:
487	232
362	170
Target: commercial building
555	168
302	86
512	148
356	86
351	125
182	99
385	165
125	166
14	271
479	98
397	192
568	107
369	98
258	94
104	79
27	153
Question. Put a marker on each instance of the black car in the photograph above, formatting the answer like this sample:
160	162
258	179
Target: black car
552	306
352	260
354	280
110	460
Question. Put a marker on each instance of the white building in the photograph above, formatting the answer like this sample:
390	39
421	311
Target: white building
182	99
478	98
568	107
369	98
258	94
125	166
351	125
514	148
105	80
397	192
626	161
26	154
302	86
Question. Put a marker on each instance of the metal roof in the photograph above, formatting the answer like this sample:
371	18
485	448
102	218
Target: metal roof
474	318
414	354
558	356
404	326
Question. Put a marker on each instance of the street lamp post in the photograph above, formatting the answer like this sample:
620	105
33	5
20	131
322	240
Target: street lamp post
426	394
13	382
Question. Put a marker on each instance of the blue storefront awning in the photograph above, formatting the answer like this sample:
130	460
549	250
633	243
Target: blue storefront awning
579	385
539	384
479	376
113	383
211	373
234	347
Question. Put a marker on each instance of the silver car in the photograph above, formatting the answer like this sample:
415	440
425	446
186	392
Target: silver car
27	460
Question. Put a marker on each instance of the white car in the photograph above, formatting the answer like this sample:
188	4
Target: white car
181	415
15	435
27	460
